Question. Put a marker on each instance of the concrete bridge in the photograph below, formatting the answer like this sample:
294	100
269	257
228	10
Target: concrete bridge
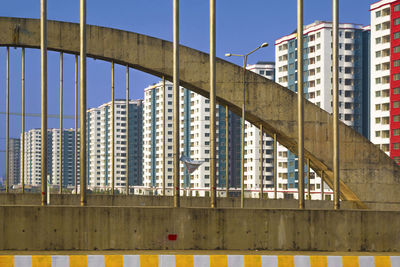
369	178
367	174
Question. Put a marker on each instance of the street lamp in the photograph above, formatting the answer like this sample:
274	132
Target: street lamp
243	116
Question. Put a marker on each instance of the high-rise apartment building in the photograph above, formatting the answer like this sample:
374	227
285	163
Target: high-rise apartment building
385	80
194	142
317	83
32	157
15	159
99	146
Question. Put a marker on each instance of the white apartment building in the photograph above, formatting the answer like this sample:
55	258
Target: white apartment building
99	146
32	157
15	159
353	85
381	44
194	141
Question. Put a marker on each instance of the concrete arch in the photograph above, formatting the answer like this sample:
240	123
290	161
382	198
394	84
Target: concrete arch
367	174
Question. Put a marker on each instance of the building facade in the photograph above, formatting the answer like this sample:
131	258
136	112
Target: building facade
317	84
99	146
385	80
15	161
33	157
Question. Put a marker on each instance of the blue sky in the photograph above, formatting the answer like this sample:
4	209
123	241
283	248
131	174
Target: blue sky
241	26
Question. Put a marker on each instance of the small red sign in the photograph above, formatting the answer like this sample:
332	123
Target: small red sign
172	237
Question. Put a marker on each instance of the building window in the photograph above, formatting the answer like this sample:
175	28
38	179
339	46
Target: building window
395	132
396	146
395	77
378	27
396	63
378	40
396	159
395	104
396	91
396	49
397	21
378	14
396	118
397	7
396	35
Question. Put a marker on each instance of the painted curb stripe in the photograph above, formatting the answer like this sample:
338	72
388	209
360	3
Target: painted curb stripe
41	261
114	261
201	260
269	261
131	260
59	261
7	261
285	261
218	261
148	260
184	261
197	261
252	260
318	261
78	261
350	261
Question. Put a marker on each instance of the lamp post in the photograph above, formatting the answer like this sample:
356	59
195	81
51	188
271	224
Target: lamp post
243	116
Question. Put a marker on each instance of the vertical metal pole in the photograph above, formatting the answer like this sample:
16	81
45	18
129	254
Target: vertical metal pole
61	122
23	124
227	150
76	125
243	133
308	180
335	88
163	137
322	185
83	102
300	112
8	124
43	91
176	102
127	130
113	130
261	162
275	167
213	154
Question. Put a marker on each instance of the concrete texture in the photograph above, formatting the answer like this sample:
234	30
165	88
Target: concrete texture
367	174
160	201
117	228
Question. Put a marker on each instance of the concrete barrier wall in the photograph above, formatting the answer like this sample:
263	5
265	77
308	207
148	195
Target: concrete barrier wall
198	261
167	201
129	228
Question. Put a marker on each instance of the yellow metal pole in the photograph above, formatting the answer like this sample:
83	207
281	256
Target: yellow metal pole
127	131
76	125
275	167
308	180
113	130
23	124
43	92
213	139
176	143
335	88
322	185
261	162
300	112
8	124
83	102
227	150
163	138
61	122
